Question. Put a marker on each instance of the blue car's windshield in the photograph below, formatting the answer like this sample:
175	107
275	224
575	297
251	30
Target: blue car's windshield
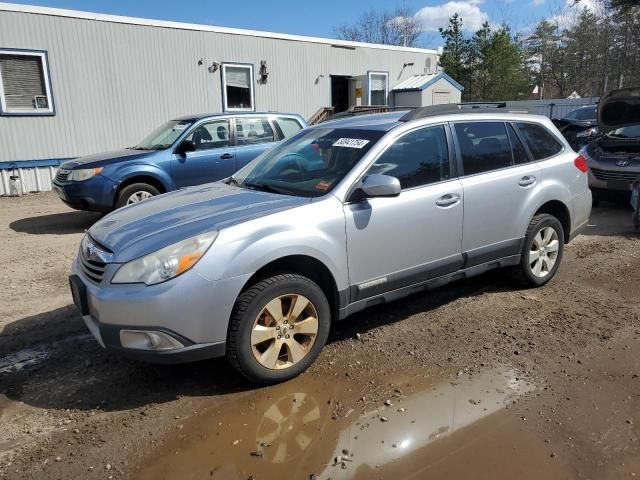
164	136
309	164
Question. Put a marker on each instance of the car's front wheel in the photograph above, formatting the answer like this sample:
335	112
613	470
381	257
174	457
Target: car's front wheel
278	328
542	251
135	193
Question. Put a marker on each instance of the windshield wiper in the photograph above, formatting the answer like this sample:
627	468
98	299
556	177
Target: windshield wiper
267	188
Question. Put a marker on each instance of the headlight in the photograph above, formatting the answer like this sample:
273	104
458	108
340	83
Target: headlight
167	263
589	132
81	174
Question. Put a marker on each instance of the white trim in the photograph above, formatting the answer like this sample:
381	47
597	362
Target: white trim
225	98
60	12
47	83
386	75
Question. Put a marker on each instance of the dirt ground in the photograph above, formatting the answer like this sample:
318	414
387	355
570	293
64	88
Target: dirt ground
476	380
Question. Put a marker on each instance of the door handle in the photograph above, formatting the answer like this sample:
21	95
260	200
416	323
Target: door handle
226	156
448	200
527	181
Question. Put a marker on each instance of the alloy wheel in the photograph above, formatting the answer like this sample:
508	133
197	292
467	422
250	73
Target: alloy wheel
138	197
284	331
544	252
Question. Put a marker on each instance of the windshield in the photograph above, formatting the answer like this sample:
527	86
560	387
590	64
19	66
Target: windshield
588	113
310	164
632	131
164	136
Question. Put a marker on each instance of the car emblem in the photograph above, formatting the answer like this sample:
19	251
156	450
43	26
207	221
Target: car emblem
94	253
622	163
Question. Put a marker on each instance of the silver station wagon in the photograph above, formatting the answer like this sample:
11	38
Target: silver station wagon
342	216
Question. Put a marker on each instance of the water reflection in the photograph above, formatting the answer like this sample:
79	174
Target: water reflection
317	426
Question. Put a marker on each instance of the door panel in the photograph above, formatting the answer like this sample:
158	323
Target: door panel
496	192
213	159
494	202
395	242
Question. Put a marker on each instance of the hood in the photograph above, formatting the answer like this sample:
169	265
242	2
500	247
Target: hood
619	108
140	229
106	158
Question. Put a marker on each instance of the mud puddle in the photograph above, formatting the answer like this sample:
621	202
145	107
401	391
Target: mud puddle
315	426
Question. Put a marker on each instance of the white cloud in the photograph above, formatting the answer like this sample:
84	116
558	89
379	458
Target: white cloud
537	2
569	14
432	18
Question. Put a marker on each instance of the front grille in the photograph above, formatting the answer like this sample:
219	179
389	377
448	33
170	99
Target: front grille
610	175
92	269
62	175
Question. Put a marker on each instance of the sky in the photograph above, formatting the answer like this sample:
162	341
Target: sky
320	17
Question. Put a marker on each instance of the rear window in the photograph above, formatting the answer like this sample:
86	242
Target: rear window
484	146
542	142
288	126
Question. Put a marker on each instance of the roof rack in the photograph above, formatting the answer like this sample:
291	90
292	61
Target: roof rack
468	107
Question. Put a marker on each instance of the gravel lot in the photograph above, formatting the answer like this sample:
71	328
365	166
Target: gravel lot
570	350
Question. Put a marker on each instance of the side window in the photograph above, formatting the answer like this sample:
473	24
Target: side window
288	126
211	135
484	146
542	142
418	158
251	131
519	153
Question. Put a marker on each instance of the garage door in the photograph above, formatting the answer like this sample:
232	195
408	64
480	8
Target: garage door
441	97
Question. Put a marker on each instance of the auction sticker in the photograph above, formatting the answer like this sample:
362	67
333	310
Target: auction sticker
350	142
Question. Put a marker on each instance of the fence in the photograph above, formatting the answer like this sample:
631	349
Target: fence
552	108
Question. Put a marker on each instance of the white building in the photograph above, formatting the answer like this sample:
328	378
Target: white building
74	83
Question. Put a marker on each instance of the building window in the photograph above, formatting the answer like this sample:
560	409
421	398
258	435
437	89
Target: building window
237	87
25	87
378	88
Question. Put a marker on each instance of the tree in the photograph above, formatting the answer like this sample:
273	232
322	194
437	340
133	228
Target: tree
385	27
490	65
455	58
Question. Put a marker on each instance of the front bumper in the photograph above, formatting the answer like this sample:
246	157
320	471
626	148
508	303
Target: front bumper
190	309
95	194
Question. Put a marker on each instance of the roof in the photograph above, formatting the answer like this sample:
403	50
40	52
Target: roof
200	116
100	17
425	80
373	121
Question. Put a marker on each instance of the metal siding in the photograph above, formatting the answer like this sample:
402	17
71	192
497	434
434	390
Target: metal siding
114	82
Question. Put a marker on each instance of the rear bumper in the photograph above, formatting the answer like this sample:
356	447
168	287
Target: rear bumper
95	194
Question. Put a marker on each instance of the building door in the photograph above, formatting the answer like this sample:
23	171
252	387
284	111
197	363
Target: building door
340	92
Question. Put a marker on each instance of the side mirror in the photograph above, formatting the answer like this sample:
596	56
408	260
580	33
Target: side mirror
380	186
187	146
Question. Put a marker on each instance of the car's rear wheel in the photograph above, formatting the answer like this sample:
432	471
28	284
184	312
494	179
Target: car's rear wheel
542	251
278	328
135	193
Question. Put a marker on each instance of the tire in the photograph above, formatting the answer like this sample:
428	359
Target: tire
129	191
595	200
526	273
250	310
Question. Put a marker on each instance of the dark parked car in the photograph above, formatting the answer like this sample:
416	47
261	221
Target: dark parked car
614	156
185	151
579	126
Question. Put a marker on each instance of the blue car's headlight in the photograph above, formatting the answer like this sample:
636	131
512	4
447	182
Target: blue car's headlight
166	263
82	174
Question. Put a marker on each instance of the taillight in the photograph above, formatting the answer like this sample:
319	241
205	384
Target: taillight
581	163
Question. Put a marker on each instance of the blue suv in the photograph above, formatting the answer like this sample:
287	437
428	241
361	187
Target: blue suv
185	151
